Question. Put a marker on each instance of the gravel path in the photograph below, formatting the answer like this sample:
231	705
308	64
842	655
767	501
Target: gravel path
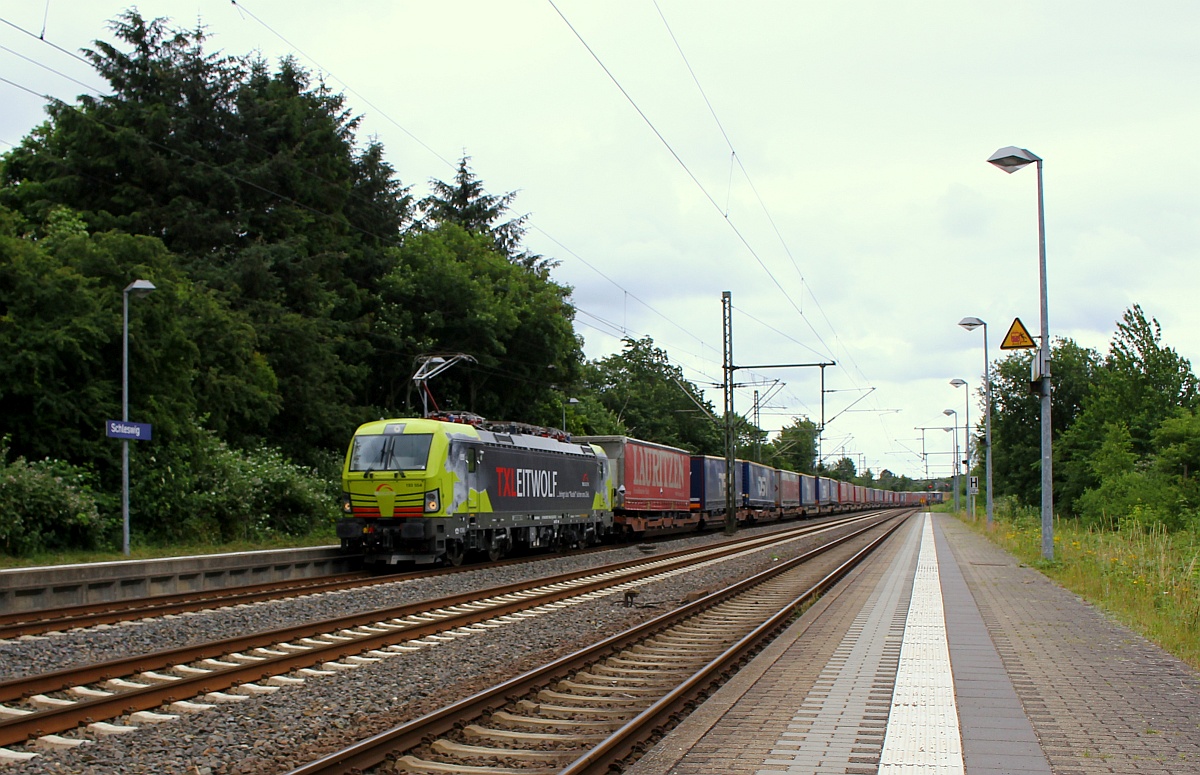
275	732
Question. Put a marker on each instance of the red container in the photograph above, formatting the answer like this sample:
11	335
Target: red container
656	478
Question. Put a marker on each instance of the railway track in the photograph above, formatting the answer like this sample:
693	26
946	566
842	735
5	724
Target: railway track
39	622
598	706
157	687
19	623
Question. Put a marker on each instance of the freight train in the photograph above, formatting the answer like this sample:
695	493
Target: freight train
437	489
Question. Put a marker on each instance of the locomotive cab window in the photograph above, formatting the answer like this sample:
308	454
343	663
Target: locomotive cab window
392	452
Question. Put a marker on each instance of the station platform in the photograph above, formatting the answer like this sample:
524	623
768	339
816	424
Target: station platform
942	654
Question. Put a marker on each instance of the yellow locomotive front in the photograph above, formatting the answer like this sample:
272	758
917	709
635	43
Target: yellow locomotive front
393	482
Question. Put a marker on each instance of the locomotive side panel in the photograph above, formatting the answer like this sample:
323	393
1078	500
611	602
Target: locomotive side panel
516	480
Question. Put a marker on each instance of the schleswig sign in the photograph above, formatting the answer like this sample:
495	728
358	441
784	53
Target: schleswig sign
123	429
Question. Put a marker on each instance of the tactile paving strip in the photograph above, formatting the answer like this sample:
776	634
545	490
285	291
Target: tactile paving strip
922	732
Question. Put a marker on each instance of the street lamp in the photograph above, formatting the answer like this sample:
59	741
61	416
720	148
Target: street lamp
962	383
137	288
949	412
971	324
571	401
1010	159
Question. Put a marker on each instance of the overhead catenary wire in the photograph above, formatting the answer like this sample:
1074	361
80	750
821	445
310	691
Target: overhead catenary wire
725	216
675	155
766	211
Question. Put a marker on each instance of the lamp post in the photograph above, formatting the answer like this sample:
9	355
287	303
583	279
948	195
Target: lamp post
137	288
1010	159
949	412
962	383
571	401
971	324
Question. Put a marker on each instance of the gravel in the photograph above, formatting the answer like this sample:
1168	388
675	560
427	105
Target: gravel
276	732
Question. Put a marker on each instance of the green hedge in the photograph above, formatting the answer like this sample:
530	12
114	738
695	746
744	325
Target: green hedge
48	505
201	490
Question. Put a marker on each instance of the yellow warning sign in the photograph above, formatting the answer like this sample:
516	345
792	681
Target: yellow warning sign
1018	337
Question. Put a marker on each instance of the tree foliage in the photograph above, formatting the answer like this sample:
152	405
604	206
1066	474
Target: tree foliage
1126	433
1141	384
651	399
1016	414
467	204
47	505
293	291
795	448
452	291
251	180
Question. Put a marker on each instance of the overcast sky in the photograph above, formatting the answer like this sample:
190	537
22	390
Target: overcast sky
859	222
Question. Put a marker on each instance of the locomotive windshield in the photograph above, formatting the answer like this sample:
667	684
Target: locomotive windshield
392	452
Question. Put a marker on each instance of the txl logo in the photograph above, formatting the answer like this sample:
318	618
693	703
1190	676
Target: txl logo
506	482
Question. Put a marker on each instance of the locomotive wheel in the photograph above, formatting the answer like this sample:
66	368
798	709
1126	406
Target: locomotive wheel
454	553
497	551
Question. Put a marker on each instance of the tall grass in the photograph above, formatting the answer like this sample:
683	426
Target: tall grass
1144	576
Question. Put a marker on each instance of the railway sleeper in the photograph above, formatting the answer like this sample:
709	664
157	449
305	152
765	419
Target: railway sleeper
614	671
450	748
418	766
683	649
551	710
547	695
508	736
514	720
633	679
641	665
671	655
688	637
595	691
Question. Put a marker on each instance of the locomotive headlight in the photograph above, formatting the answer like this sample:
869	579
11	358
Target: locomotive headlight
433	501
346	508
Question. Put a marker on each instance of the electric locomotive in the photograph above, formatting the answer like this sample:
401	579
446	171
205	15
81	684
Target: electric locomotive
425	490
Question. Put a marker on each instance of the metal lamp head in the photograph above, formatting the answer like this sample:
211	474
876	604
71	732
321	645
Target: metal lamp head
971	323
949	412
958	382
139	287
1011	158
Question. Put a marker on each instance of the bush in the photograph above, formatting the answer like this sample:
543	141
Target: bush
1132	498
202	490
47	505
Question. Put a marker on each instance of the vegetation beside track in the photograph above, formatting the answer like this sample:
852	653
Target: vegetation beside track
1145	576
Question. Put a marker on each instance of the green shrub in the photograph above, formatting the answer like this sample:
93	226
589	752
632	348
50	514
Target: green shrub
200	489
47	505
1132	497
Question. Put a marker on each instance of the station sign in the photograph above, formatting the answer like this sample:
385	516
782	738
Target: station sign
124	429
974	485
